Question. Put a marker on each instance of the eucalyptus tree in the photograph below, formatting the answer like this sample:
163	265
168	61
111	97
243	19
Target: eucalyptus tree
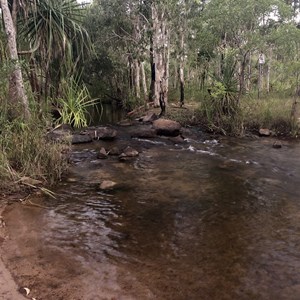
239	26
17	95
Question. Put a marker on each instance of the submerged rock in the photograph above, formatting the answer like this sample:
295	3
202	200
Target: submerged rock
114	151
277	145
166	127
177	139
128	154
107	185
102	154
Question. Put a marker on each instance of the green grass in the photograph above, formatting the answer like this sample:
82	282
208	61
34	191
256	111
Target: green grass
272	112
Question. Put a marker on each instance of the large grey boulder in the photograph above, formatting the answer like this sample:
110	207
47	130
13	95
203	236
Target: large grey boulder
166	127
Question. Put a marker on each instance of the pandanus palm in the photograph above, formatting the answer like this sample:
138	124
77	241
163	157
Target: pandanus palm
52	29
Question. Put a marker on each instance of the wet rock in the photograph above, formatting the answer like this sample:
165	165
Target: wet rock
146	133
101	133
166	127
177	139
128	154
102	154
107	185
277	145
150	117
81	139
114	151
264	132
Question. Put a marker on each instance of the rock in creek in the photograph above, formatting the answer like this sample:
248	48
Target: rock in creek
101	133
144	133
114	151
102	154
277	145
107	185
264	132
81	139
166	127
128	154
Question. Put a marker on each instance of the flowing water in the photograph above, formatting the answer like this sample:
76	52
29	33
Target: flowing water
207	219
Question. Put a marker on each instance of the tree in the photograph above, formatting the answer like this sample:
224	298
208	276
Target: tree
17	95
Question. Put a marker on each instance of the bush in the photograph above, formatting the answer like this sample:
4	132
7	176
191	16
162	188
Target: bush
25	151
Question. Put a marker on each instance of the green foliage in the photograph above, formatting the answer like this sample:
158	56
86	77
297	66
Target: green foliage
271	112
25	151
221	108
74	103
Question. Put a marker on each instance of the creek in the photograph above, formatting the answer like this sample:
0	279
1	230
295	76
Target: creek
206	219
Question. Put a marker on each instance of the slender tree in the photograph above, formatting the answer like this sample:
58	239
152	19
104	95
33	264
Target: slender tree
17	95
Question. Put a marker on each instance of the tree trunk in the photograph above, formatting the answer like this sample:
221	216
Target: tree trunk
159	53
137	81
17	95
181	67
144	82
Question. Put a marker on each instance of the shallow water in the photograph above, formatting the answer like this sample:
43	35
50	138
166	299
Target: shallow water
208	219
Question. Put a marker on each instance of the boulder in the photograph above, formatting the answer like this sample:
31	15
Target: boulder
166	127
264	132
107	185
81	139
102	154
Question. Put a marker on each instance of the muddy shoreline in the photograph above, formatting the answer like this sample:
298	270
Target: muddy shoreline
8	287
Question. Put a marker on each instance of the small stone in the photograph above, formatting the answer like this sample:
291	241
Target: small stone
128	154
107	185
114	151
264	132
277	145
177	139
102	154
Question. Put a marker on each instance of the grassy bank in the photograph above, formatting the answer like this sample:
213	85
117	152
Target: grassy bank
272	112
27	153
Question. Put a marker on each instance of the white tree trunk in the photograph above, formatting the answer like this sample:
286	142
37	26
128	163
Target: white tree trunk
144	82
137	81
17	93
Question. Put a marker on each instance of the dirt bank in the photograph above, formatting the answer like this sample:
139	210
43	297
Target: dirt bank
8	287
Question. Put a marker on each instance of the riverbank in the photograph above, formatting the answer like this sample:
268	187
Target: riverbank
8	287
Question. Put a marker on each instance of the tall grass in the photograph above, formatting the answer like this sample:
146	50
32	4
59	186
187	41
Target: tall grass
272	112
26	151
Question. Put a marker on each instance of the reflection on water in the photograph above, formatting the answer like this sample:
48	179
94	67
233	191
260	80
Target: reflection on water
206	220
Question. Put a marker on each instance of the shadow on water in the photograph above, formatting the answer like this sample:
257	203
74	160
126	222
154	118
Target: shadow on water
106	112
204	220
